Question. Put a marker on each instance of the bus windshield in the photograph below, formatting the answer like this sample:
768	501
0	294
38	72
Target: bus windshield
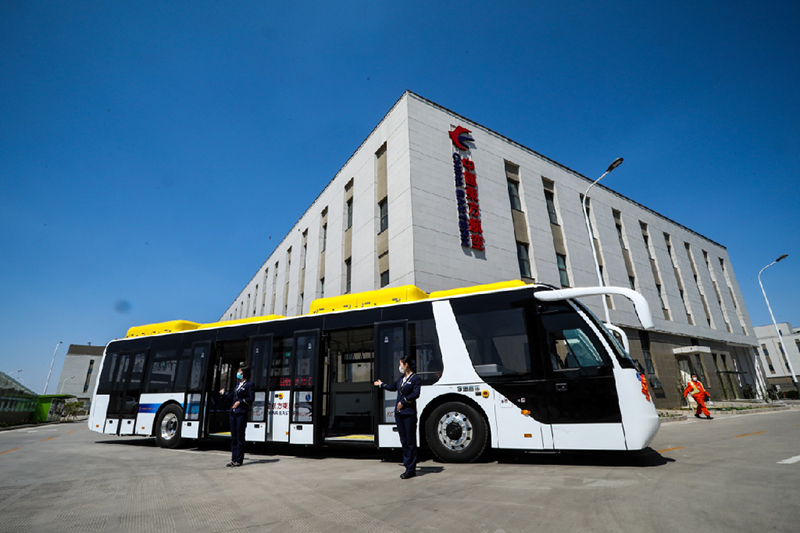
624	358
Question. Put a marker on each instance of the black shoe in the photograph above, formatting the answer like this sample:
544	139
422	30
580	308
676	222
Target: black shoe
406	475
697	416
709	417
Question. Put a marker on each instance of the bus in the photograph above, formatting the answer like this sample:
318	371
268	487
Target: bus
504	366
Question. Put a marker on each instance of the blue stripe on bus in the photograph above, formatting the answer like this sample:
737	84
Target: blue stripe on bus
150	407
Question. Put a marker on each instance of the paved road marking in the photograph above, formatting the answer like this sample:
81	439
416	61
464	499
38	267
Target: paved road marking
670	449
6	451
748	434
50	438
789	461
38	430
68	432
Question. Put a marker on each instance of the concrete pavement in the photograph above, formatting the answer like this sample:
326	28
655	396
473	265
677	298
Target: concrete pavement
727	474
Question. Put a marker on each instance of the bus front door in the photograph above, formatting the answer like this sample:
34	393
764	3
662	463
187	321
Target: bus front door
195	400
228	357
349	399
123	405
583	405
305	399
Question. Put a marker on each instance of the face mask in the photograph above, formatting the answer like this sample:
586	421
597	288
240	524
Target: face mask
238	375
400	368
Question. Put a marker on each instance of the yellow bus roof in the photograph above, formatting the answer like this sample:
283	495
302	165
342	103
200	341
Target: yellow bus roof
387	296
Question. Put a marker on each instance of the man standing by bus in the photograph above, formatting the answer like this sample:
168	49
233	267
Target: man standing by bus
698	392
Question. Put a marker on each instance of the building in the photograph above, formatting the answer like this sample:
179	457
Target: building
79	373
435	200
774	358
17	402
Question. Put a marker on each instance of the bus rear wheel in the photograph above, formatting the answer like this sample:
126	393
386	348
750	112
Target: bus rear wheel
456	433
168	427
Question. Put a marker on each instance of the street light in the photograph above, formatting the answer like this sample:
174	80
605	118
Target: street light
46	383
617	162
778	331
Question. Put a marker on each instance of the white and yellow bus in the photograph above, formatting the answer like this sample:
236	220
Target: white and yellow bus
506	366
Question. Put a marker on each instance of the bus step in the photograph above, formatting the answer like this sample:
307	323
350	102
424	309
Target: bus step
366	439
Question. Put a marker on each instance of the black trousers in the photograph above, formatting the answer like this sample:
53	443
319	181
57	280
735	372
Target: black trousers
238	427
407	429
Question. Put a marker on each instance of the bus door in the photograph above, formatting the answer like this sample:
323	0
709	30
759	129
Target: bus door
227	356
391	343
583	405
196	398
348	405
305	402
126	383
258	360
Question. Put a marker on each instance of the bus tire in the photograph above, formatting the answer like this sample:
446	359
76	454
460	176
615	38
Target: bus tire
456	432
168	427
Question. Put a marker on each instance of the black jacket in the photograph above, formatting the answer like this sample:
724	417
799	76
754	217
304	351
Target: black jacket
406	394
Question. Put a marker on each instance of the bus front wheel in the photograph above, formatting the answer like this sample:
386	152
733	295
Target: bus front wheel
168	427
456	433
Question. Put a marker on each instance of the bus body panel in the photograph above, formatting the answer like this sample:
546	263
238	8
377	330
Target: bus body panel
301	434
149	406
588	437
454	351
256	432
388	436
516	430
639	416
190	429
97	415
278	416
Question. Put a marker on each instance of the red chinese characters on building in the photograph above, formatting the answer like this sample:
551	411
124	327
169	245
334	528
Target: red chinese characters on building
466	183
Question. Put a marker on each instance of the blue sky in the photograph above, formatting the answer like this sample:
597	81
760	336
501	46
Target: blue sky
152	154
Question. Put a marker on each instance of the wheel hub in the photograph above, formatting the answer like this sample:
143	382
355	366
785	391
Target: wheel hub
169	426
455	430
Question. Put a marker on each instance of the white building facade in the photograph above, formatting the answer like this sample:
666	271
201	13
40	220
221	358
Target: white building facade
79	373
775	359
435	200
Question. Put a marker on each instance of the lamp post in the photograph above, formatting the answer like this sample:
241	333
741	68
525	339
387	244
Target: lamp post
778	331
617	162
46	383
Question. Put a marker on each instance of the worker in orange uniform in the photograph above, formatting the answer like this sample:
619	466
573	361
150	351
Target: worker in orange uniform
698	392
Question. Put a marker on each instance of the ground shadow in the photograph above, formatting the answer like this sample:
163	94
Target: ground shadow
637	459
258	452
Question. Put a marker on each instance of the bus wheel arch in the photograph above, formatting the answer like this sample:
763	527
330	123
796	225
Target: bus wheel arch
455	428
167	427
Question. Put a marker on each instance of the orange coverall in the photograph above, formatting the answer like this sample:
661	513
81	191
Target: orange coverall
698	392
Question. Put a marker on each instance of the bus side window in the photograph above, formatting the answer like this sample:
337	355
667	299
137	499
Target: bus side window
424	347
109	364
163	370
571	344
280	370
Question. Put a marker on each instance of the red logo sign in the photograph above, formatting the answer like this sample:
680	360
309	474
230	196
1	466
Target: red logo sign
466	181
459	136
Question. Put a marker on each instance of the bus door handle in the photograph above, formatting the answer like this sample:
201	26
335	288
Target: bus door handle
561	387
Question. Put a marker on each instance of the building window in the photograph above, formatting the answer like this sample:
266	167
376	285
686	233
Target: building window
384	278
348	275
660	296
513	195
551	206
562	269
301	302
322	287
632	282
324	236
524	260
383	206
349	214
769	359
